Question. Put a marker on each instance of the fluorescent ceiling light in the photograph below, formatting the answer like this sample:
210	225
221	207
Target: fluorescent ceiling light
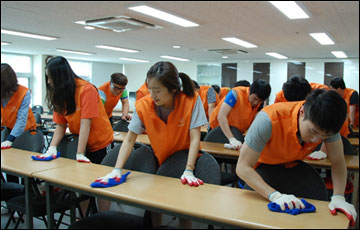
5	43
117	49
322	38
339	54
175	58
29	35
132	59
276	55
89	27
176	47
225	57
163	16
74	52
240	42
291	9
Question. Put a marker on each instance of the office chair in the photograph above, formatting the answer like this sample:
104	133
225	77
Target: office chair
5	132
301	180
37	108
217	135
141	159
121	126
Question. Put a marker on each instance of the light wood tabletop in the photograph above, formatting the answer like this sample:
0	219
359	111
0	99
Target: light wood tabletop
354	141
218	205
19	162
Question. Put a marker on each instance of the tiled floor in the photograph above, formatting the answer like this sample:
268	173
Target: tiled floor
167	220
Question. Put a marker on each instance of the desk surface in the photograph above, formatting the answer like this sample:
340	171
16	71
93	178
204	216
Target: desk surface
354	141
217	204
19	161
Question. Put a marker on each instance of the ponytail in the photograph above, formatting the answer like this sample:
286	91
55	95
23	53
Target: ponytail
187	84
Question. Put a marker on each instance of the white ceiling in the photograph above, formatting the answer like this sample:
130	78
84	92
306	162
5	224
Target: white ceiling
255	21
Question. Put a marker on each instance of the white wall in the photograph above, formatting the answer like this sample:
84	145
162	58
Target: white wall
101	72
38	87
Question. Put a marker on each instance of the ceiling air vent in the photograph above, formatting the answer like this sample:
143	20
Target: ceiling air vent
120	24
227	51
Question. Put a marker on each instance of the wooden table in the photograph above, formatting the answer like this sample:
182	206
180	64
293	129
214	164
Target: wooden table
18	162
211	204
354	141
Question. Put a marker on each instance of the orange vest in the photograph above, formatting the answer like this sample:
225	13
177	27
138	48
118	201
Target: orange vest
111	99
223	92
280	97
142	91
283	147
241	115
101	132
203	95
318	86
9	113
345	128
174	136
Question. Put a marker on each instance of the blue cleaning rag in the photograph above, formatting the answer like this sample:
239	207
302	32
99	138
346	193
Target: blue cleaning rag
40	158
112	182
308	208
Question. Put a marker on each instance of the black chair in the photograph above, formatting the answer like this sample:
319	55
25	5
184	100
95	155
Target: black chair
63	199
30	140
5	132
37	108
301	180
121	126
217	135
141	159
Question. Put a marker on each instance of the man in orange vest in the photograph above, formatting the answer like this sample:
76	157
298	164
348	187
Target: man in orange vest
238	109
352	100
113	91
281	136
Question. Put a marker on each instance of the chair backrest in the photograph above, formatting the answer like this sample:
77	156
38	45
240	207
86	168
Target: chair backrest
37	108
37	117
206	169
305	180
5	132
30	140
141	159
68	146
121	126
217	135
348	148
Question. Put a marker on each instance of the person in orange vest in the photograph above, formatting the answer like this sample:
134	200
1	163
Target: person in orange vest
172	119
16	113
113	91
223	92
142	91
281	136
294	89
352	100
239	108
76	103
209	97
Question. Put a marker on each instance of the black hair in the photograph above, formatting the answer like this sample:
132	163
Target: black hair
9	82
167	74
216	88
196	85
60	96
242	83
296	88
326	110
119	78
261	88
337	82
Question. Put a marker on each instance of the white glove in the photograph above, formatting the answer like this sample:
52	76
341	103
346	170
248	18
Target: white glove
338	203
317	155
189	178
115	173
6	144
282	199
52	151
82	158
235	144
